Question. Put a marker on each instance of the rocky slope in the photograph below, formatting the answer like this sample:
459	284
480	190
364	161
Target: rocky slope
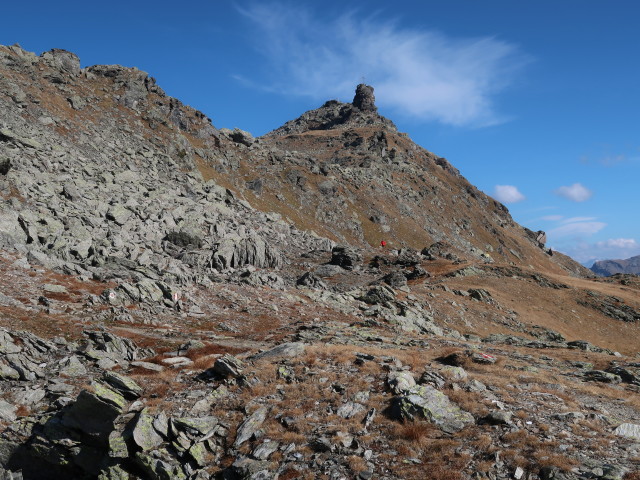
179	301
606	268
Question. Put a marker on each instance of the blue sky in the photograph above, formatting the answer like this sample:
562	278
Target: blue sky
537	103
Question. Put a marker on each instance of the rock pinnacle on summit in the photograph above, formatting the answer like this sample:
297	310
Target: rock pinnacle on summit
364	98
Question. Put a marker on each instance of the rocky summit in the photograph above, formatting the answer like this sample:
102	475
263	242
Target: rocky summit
329	300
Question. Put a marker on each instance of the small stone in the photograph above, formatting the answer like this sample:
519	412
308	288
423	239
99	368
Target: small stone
228	366
264	450
349	410
498	417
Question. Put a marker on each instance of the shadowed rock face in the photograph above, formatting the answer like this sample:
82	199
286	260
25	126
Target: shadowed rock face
364	99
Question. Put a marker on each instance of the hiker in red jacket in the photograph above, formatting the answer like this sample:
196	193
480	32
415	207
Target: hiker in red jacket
383	244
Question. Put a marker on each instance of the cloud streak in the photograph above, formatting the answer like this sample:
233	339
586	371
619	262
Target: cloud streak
576	192
420	73
507	194
611	249
577	227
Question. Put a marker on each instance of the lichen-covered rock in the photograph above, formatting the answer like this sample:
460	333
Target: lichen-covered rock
72	367
245	468
7	411
160	465
123	384
424	401
196	426
144	433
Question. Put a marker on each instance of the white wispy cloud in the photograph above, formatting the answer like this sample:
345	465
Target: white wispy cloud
578	219
577	227
611	249
507	194
552	218
620	243
421	73
576	192
611	156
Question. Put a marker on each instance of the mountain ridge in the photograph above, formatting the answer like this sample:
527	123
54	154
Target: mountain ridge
607	268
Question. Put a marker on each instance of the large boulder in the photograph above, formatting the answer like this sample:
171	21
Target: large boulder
234	251
94	414
345	257
424	401
63	60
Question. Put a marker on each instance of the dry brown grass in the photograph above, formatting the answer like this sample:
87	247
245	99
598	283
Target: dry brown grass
417	433
546	458
472	402
483	442
356	464
23	411
212	349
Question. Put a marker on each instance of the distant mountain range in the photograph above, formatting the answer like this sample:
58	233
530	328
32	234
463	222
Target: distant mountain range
611	267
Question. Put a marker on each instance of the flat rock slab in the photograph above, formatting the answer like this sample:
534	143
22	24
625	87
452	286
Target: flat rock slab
124	385
7	411
250	425
52	288
424	401
148	366
177	361
290	349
